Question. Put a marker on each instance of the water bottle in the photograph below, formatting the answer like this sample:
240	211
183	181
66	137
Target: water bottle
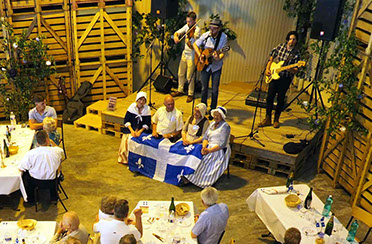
327	206
13	121
352	232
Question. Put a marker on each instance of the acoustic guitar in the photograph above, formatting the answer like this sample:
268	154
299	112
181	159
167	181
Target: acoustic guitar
208	53
276	68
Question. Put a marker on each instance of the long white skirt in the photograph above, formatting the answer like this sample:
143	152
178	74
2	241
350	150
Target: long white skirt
211	167
123	149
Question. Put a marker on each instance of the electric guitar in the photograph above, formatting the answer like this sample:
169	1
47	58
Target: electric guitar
276	68
208	53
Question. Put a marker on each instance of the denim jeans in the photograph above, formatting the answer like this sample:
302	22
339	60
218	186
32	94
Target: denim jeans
204	76
279	87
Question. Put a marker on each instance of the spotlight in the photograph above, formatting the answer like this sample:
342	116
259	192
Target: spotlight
48	63
15	45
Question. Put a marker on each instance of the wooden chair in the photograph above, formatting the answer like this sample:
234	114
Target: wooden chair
62	140
363	216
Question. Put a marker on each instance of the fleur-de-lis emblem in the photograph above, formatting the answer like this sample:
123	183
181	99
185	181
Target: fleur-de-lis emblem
145	138
189	148
179	176
139	163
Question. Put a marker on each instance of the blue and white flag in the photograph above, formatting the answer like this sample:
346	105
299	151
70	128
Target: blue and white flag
162	160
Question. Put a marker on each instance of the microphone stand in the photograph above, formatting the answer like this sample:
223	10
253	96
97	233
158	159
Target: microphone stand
151	104
255	131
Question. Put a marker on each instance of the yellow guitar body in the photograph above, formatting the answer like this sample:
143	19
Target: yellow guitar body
274	75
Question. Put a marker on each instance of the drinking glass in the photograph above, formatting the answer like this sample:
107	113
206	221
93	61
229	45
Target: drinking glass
8	237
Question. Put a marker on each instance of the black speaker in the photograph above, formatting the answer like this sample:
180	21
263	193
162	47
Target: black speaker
163	84
326	19
164	9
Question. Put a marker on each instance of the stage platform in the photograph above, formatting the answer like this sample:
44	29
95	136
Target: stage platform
264	152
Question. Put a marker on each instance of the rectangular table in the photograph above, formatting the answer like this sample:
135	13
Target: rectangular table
156	221
41	234
10	176
277	217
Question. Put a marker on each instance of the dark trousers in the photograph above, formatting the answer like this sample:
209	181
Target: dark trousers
279	87
31	183
205	76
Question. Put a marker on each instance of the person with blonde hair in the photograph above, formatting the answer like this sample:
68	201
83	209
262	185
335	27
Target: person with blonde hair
195	126
70	227
106	210
50	126
211	223
128	239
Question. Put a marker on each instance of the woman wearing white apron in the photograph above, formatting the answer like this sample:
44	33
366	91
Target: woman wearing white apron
195	126
216	151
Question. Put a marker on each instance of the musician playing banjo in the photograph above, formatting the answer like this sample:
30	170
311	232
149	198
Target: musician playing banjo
213	39
290	55
190	32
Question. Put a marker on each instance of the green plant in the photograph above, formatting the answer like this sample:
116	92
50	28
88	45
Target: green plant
26	66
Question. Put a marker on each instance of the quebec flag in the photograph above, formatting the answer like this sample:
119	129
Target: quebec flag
162	160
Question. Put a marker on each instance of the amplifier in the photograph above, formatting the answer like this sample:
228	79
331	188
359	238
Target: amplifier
251	100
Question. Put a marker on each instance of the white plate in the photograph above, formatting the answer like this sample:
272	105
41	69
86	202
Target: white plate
37	239
310	231
184	222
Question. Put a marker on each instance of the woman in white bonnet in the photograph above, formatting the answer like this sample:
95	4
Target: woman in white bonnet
195	126
136	120
216	151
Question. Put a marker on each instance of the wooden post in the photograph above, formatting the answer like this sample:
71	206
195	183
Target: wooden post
129	51
10	11
69	50
354	18
101	6
76	47
341	158
322	147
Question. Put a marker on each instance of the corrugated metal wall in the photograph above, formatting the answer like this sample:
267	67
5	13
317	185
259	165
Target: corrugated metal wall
259	24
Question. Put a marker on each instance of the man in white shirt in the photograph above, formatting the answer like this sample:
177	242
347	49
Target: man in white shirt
40	165
167	121
186	67
113	230
212	222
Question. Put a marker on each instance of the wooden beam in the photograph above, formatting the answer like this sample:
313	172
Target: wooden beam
31	27
341	159
116	79
86	32
364	7
54	34
75	43
323	145
129	50
353	161
114	27
66	12
101	6
94	78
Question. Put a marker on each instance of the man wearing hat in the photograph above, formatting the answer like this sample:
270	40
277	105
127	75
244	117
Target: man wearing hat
215	39
187	67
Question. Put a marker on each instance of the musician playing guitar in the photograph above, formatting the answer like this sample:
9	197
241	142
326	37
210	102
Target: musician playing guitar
290	55
190	32
213	39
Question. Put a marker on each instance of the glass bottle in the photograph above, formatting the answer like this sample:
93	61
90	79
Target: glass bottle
352	232
172	207
329	226
290	179
327	206
309	198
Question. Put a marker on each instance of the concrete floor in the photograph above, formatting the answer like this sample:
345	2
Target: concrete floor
92	171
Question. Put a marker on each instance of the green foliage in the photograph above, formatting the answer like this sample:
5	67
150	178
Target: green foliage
27	66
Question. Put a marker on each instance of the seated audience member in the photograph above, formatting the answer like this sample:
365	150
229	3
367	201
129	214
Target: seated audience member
167	121
70	227
136	120
216	152
40	112
40	165
112	230
292	236
195	126
72	240
128	239
212	221
50	126
106	210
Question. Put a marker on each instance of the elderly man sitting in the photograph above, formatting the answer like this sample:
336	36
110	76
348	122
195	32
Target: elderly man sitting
167	121
40	112
70	227
113	230
40	165
211	223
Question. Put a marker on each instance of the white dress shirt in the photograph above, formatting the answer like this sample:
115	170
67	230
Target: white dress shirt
42	162
113	230
167	122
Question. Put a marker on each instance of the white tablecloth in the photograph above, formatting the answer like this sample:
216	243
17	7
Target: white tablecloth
10	176
159	211
41	234
277	217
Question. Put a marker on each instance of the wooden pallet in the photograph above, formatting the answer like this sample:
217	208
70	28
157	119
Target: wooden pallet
242	159
90	122
273	167
112	133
